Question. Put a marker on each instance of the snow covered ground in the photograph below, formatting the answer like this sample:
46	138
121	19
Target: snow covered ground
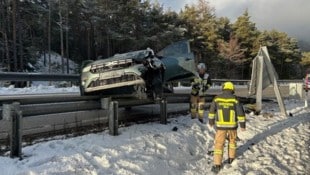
37	89
56	62
272	144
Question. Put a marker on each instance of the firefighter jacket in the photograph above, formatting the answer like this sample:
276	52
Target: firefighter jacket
225	112
200	85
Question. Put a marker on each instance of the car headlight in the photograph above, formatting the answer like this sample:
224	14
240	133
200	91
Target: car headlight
83	82
86	69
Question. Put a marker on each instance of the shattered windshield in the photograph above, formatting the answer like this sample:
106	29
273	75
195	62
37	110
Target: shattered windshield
176	49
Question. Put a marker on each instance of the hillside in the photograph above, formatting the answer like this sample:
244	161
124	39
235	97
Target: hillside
304	46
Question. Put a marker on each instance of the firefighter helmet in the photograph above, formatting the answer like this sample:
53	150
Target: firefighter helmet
228	86
201	66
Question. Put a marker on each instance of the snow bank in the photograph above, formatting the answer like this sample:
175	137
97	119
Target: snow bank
38	89
56	62
272	144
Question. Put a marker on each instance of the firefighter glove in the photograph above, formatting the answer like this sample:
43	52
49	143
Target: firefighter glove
194	93
196	86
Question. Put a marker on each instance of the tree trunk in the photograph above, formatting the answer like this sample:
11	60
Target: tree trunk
21	49
44	40
108	46
88	44
20	41
67	37
6	34
2	17
49	36
14	11
7	51
61	40
7	57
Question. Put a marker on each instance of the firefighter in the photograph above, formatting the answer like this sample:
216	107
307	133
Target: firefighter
200	85
154	76
225	113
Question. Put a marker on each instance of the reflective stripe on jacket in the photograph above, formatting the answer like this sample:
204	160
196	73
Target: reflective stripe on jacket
201	85
225	112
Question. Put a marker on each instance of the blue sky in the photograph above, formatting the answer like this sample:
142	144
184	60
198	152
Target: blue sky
290	16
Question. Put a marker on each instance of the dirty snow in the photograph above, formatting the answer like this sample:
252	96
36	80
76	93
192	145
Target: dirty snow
272	144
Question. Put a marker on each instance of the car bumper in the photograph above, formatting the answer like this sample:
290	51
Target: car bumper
109	80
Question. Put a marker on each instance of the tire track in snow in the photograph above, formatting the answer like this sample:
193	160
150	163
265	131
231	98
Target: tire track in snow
272	130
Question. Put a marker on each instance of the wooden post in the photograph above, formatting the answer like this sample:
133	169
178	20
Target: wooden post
113	118
16	132
163	111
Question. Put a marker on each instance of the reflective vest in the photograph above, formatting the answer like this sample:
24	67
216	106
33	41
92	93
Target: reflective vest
200	85
225	111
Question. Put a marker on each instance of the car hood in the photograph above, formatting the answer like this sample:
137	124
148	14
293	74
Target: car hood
135	55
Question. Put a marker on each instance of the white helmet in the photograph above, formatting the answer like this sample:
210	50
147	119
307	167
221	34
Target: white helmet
201	66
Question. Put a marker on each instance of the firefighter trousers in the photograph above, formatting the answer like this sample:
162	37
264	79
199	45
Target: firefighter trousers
197	104
220	138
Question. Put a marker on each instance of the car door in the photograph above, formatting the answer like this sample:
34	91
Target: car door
178	61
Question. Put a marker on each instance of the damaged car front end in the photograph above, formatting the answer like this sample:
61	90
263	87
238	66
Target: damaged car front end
140	73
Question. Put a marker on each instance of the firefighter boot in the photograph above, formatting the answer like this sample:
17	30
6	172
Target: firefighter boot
230	160
193	110
201	111
216	168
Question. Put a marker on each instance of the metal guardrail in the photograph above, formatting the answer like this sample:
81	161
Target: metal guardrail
53	117
18	76
246	82
51	104
55	114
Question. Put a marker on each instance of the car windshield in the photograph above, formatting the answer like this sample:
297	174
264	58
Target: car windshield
176	49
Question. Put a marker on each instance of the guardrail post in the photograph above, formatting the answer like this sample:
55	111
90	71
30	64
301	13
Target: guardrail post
113	118
163	111
105	102
6	111
16	131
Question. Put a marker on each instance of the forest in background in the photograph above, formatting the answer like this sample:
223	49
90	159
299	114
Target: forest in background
88	30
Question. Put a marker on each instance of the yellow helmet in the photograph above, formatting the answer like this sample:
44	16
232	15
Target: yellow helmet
228	86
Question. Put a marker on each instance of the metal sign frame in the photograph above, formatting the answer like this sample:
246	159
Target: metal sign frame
263	75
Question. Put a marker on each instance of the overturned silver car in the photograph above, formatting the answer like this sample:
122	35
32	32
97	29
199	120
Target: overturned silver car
142	73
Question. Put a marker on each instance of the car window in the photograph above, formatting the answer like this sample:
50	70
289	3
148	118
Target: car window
176	49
